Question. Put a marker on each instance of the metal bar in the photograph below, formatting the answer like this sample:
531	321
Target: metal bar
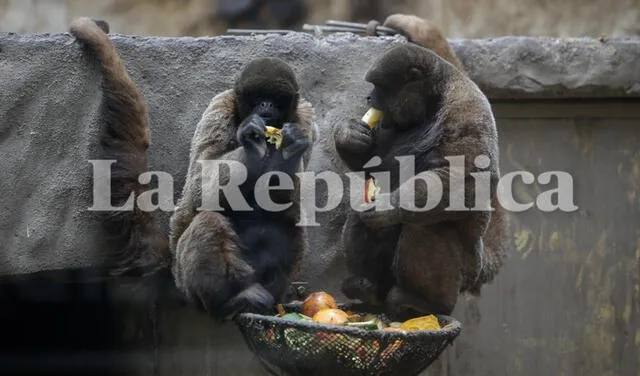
360	26
335	29
331	26
260	31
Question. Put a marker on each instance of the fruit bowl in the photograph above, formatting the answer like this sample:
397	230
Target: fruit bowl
308	348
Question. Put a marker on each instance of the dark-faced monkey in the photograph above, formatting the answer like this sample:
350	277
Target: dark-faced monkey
227	259
415	261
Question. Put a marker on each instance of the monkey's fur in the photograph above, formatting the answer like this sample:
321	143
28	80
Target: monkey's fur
421	261
125	138
212	268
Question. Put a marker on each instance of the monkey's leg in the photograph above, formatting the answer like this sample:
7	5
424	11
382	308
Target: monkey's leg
210	270
273	246
369	255
428	271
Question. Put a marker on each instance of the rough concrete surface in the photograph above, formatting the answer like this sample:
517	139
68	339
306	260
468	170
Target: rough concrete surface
49	99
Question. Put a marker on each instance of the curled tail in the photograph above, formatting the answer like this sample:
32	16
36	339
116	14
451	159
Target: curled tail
125	139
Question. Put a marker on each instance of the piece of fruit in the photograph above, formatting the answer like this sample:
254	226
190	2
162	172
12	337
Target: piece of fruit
369	324
281	311
354	317
372	117
332	316
274	136
271	334
317	301
429	322
371	190
392	348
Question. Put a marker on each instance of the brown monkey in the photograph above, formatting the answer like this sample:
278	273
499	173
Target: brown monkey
426	34
124	138
420	261
228	261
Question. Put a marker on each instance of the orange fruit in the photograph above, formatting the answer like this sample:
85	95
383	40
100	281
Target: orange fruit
332	316
316	302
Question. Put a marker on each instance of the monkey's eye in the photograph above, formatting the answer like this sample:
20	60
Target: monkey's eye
252	99
373	99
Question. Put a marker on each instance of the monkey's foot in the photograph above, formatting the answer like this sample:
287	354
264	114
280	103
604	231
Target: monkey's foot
360	288
403	305
254	299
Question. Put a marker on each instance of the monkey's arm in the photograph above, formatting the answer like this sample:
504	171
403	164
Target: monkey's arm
214	135
206	177
354	143
307	123
424	33
437	185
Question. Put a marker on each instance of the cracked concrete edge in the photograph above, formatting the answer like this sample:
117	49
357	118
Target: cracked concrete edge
509	67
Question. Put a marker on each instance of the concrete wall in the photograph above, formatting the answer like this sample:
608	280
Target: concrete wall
567	302
458	18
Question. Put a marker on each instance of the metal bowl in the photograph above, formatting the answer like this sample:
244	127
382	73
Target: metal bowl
306	348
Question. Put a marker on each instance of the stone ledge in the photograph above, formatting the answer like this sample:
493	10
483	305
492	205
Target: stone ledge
550	68
505	68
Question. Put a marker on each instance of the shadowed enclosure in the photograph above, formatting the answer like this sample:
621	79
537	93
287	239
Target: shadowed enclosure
567	301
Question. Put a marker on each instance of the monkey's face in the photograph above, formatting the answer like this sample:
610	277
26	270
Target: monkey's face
268	88
275	107
402	105
400	82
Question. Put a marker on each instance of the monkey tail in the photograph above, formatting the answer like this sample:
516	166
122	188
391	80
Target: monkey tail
125	139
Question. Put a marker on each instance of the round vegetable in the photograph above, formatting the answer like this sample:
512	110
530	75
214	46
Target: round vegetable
316	302
331	316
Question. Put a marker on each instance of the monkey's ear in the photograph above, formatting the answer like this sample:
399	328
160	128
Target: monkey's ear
414	74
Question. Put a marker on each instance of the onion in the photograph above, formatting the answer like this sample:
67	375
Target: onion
316	302
331	316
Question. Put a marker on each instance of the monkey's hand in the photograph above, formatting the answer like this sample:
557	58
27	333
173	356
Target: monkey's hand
251	136
294	141
425	33
253	299
356	287
355	138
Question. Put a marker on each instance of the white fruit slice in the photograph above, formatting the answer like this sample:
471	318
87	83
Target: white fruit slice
274	136
371	190
372	117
